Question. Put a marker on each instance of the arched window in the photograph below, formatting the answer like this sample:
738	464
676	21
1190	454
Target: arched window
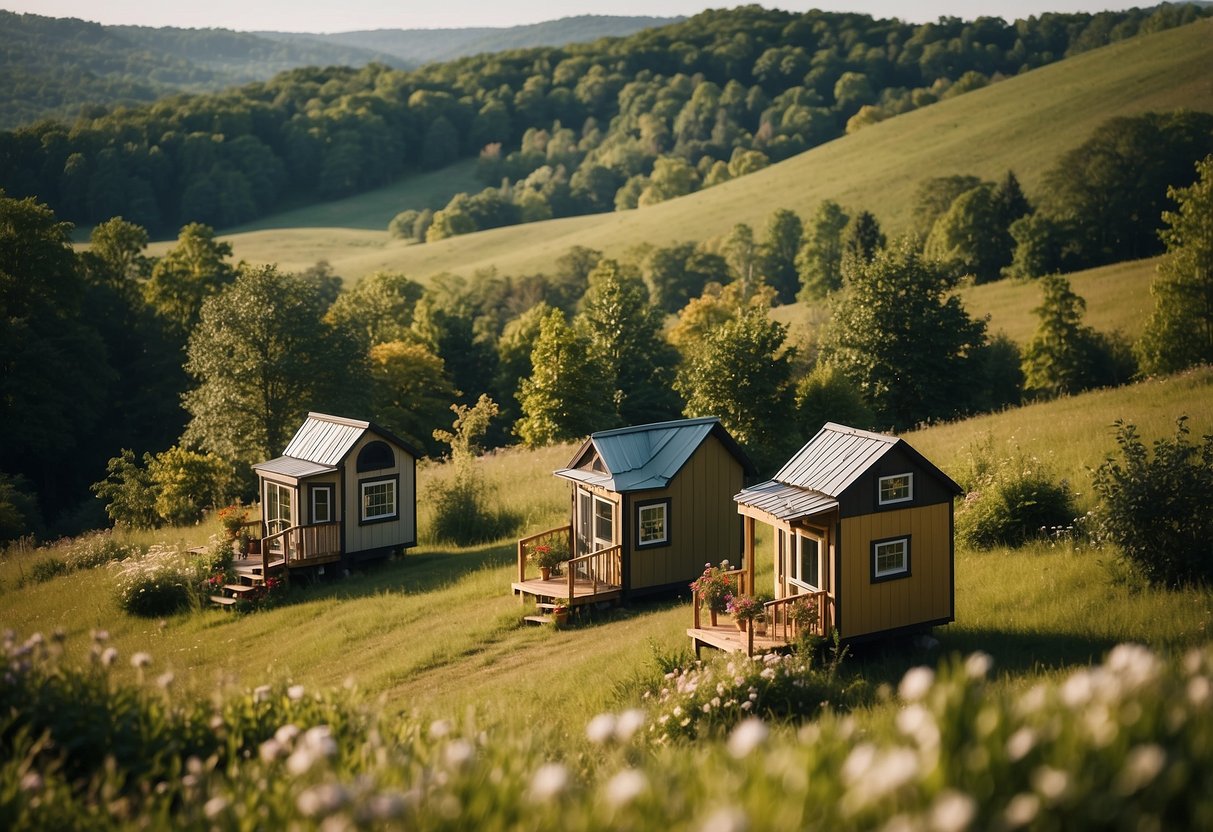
376	455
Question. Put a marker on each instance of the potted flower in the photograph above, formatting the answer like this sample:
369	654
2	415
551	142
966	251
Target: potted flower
233	518
803	613
743	608
760	620
547	557
713	588
560	611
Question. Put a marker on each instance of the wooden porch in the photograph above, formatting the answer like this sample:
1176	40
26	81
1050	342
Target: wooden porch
587	579
294	547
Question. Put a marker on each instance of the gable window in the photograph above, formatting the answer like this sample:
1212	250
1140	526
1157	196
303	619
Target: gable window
322	503
805	563
376	456
653	523
890	558
898	488
378	500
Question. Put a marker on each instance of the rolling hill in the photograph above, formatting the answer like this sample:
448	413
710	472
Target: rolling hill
1023	123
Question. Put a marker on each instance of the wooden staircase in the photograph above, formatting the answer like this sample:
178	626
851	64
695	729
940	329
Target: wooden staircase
250	576
544	613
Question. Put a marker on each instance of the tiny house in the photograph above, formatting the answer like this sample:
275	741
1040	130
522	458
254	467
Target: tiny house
343	491
863	528
648	505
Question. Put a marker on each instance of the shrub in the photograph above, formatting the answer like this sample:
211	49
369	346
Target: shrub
98	549
1159	510
49	567
1010	501
164	581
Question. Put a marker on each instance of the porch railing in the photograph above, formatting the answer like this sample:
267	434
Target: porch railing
737	577
602	567
561	536
299	544
782	615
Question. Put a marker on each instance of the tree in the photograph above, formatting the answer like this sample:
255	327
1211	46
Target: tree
678	273
935	196
904	338
514	349
827	395
784	234
263	357
463	514
625	334
378	308
1059	358
191	271
742	254
819	261
185	482
717	305
410	391
861	240
565	395
1043	245
127	492
742	375
970	236
1179	332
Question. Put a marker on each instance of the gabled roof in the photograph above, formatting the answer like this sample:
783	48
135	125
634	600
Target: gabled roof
812	480
322	443
645	456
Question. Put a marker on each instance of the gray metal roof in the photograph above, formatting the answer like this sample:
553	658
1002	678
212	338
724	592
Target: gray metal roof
291	467
835	458
787	502
325	439
642	457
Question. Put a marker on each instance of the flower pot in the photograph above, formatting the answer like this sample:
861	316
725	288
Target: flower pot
545	572
713	614
760	627
741	624
561	616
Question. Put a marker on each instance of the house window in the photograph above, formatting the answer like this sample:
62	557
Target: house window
652	523
277	507
604	524
805	567
890	558
898	488
376	456
378	500
322	503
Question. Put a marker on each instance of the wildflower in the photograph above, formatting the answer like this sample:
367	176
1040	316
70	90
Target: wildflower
100	636
1020	744
629	722
1198	690
165	680
214	807
952	811
322	800
458	753
439	728
727	819
978	664
625	787
387	806
549	781
31	782
600	729
295	692
1022	810
915	684
1050	783
261	693
109	656
748	735
140	660
270	750
286	734
1142	765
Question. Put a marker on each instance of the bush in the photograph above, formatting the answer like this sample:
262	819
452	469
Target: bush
463	514
164	581
1159	510
1009	501
98	549
49	567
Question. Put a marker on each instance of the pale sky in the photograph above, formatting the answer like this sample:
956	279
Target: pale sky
350	15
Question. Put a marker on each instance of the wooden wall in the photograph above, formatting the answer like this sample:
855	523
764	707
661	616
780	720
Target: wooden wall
704	523
398	532
924	596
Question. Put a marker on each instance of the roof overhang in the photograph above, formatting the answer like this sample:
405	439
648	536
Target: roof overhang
784	502
288	466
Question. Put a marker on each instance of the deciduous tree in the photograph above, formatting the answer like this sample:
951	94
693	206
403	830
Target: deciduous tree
567	395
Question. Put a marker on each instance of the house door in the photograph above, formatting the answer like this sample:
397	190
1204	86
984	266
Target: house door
595	523
278	502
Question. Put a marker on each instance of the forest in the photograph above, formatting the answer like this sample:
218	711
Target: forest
586	128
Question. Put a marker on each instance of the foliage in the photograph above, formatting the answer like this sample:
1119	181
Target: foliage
186	482
98	549
410	391
165	580
743	607
784	235
127	491
1159	510
1011	500
827	395
1179	332
191	271
819	261
713	587
934	196
678	273
263	357
904	339
464	510
378	308
861	240
971	237
563	397
546	555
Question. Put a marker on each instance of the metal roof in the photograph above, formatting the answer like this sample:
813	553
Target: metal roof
325	439
835	458
291	467
645	456
787	502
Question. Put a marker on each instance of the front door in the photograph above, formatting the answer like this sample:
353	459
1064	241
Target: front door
279	502
595	523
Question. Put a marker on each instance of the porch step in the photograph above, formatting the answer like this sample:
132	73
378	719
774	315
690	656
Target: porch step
538	619
222	600
544	605
239	589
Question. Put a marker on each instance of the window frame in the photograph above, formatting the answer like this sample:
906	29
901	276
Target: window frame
880	499
371	457
363	485
595	517
325	488
894	574
795	574
641	507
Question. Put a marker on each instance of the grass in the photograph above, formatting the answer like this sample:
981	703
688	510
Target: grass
1023	123
438	633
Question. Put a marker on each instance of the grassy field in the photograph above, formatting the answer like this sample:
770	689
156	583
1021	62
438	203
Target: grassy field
1023	123
437	632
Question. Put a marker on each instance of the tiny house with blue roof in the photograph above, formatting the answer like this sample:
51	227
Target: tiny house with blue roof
648	506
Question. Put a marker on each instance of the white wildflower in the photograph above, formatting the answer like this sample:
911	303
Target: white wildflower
286	734
1198	691
214	807
625	787
322	800
952	811
727	819
439	728
1078	689
1142	765
31	782
261	693
1134	665
320	740
1022	810
270	750
141	660
1050	783
629	722
387	806
166	679
458	753
916	683
1020	744
748	735
549	781
978	664
600	729
916	722
109	656
295	692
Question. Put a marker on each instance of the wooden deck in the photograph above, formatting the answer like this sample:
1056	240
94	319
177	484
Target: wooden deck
725	636
558	587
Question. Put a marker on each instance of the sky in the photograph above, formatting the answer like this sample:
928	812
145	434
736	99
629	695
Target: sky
351	15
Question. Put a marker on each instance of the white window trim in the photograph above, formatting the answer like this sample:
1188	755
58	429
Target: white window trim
609	541
328	490
880	489
395	509
795	564
905	557
664	506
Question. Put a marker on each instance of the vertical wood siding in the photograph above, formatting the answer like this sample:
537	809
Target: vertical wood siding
924	596
403	529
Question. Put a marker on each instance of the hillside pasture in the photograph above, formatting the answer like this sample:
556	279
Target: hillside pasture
1023	123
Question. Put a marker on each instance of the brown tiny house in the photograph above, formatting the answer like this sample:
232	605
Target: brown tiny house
863	526
648	506
344	490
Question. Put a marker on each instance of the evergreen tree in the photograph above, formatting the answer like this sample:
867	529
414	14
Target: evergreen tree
785	232
1058	359
566	396
861	240
819	261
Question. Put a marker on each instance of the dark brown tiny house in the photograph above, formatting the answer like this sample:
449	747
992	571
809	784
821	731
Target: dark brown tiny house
648	506
863	528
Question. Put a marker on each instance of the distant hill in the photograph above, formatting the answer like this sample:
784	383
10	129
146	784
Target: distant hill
414	47
61	67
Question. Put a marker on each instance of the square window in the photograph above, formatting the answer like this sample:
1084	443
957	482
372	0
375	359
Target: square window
378	499
890	558
898	488
653	523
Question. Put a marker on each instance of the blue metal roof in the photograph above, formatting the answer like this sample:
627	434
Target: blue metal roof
642	457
